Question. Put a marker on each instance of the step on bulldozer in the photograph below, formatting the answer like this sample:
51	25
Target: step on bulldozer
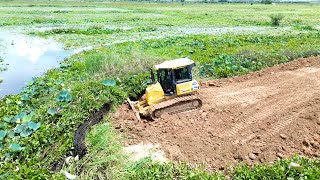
174	91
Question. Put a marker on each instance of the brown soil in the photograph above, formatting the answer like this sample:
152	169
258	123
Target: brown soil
259	117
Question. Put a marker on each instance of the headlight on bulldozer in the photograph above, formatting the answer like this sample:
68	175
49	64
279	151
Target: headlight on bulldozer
195	85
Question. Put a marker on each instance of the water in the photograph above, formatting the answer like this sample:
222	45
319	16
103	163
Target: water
27	57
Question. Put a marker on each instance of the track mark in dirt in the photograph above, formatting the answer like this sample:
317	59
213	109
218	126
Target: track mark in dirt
273	113
262	114
289	100
279	125
243	97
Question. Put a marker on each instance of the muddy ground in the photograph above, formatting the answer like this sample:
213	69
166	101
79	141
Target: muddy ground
256	118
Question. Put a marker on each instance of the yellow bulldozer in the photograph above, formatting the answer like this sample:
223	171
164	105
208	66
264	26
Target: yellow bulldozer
174	91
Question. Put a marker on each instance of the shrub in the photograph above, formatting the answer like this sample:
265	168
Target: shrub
276	18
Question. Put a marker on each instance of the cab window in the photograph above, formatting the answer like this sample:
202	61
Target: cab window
182	74
164	77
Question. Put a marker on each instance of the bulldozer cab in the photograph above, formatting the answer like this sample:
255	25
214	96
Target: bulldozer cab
171	73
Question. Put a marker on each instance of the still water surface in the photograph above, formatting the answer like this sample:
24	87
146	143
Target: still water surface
27	57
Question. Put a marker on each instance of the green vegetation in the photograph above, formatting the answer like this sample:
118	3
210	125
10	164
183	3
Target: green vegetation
276	19
230	55
97	23
147	169
95	30
293	168
150	14
89	31
37	126
66	96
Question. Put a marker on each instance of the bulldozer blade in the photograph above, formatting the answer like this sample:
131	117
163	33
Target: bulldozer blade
136	112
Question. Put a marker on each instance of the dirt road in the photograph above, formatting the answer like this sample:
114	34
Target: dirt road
259	117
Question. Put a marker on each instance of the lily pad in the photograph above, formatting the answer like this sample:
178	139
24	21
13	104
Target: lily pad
42	83
59	81
52	89
18	117
52	111
64	96
2	125
59	98
109	82
26	133
68	98
2	134
27	118
34	126
18	129
7	119
10	134
25	97
31	82
64	93
15	147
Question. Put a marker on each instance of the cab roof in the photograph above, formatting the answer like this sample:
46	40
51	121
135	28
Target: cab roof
175	64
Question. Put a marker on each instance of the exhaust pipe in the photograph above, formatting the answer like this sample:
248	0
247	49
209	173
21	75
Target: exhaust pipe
152	76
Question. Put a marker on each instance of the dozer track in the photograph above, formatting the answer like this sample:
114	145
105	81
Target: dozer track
176	105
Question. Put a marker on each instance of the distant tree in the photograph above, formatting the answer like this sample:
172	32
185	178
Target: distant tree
266	1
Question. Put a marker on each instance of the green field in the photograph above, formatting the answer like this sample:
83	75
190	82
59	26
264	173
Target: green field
122	40
79	23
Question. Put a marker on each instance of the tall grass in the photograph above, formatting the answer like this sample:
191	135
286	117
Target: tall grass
119	61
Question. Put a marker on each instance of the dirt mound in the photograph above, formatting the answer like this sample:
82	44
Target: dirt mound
259	117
